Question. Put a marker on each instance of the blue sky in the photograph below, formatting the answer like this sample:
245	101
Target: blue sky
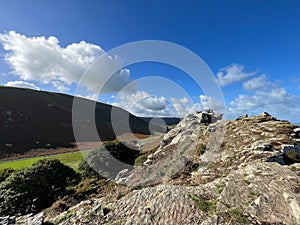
252	47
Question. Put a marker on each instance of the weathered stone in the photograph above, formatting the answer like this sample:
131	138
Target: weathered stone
242	117
208	116
37	219
7	220
264	117
213	220
296	130
122	176
265	190
241	177
30	219
261	146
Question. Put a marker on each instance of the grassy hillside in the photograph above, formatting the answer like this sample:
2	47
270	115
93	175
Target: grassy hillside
32	119
71	159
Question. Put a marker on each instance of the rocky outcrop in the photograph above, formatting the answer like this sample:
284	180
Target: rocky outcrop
260	193
188	130
29	219
7	220
208	172
177	149
265	192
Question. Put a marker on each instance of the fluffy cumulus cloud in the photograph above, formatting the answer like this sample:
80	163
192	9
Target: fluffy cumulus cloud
256	83
211	103
232	74
154	103
262	95
276	101
184	106
22	84
141	103
42	59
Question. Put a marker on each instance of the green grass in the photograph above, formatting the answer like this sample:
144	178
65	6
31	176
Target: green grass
65	217
219	188
203	204
172	126
71	159
238	216
140	160
252	195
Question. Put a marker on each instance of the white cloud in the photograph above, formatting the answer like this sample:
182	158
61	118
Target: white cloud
22	84
256	83
185	106
183	100
232	74
59	85
142	103
154	103
276	101
93	97
44	60
211	103
268	96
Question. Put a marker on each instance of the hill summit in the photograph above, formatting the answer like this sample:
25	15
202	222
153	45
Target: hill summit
206	171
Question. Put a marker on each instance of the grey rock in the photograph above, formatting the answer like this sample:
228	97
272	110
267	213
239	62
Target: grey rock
30	219
7	220
261	146
122	176
209	116
242	117
296	130
237	180
264	190
37	219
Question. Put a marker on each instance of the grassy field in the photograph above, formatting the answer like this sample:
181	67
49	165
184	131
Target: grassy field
71	159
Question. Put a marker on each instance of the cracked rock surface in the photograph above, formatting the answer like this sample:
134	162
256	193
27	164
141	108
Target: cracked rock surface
244	171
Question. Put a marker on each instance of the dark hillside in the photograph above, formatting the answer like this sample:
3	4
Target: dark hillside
37	119
168	120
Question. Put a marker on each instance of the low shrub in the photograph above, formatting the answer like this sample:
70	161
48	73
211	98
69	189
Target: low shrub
109	160
35	188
